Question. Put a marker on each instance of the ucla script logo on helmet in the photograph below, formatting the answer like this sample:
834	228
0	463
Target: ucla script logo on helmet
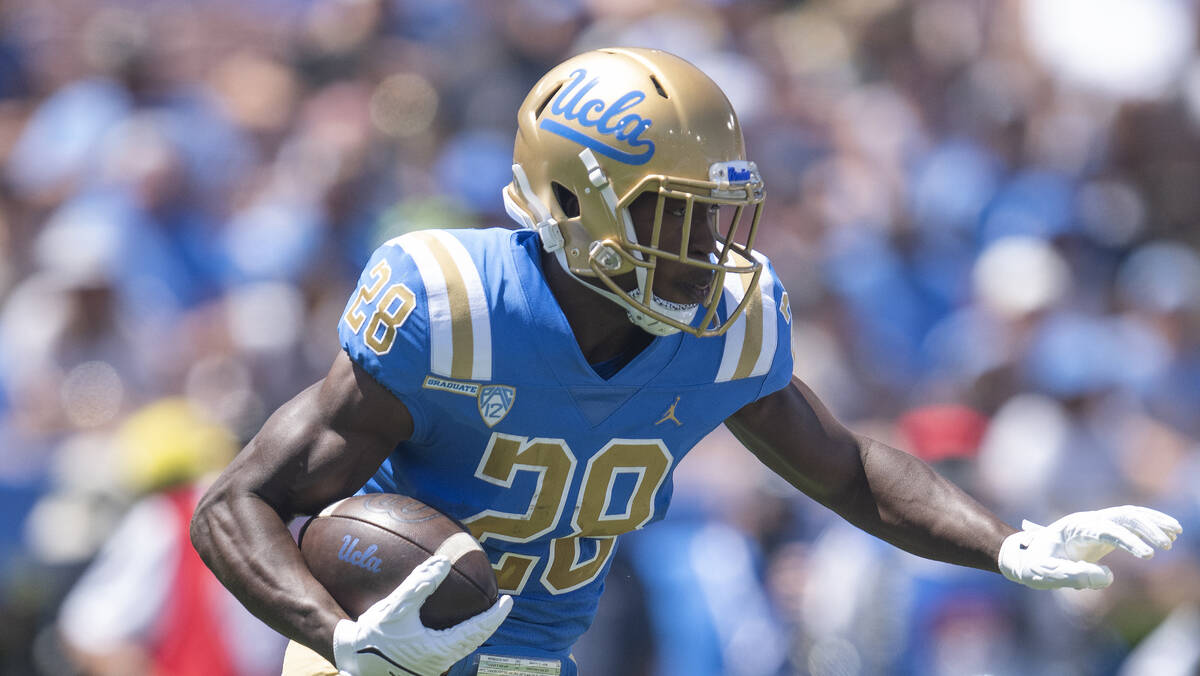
617	131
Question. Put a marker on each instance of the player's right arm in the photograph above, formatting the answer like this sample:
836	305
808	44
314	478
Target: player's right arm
323	445
319	447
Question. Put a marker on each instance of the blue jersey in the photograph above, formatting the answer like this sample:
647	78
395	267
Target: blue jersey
517	436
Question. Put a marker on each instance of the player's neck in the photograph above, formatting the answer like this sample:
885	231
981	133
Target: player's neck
601	327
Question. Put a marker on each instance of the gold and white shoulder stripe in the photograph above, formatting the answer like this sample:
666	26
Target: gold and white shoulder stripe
750	343
460	333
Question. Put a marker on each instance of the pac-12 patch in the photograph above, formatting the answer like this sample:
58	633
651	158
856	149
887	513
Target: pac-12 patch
495	401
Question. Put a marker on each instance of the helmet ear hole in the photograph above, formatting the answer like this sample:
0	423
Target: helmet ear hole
567	201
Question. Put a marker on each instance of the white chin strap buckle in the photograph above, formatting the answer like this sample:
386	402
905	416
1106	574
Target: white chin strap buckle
684	314
552	239
540	220
649	324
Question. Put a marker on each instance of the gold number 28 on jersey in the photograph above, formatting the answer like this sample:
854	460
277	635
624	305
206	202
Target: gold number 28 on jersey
390	312
594	516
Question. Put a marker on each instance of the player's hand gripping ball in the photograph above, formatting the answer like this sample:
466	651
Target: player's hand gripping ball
361	549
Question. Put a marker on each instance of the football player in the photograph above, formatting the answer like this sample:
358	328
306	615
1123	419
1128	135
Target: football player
541	384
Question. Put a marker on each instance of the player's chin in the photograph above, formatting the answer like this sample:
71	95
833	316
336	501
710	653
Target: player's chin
687	287
686	293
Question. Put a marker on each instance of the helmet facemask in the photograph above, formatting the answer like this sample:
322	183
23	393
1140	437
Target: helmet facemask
729	213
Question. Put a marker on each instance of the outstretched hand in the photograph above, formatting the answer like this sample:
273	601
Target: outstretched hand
389	637
1065	553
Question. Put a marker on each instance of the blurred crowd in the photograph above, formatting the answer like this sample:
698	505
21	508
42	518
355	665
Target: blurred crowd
985	212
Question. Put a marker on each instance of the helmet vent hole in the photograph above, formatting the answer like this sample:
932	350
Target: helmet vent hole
566	199
659	88
547	101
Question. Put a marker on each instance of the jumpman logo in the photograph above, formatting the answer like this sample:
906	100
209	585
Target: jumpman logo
670	414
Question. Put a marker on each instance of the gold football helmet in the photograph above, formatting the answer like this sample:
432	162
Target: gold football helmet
609	125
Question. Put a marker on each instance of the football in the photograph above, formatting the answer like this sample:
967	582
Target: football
361	548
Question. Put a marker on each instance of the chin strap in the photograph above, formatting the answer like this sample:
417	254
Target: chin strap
683	314
639	318
541	220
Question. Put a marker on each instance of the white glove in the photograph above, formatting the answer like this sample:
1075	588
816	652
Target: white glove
389	635
1064	554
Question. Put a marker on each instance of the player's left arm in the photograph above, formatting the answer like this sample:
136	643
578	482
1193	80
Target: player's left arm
880	489
900	499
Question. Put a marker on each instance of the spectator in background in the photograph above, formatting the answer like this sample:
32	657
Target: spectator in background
147	605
